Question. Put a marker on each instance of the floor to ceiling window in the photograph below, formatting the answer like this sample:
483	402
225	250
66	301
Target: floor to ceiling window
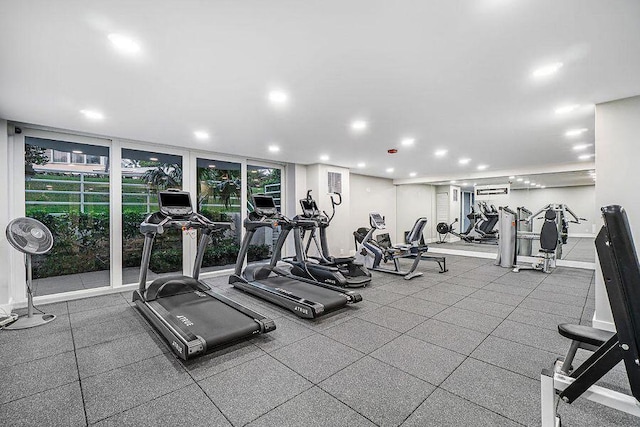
144	173
67	189
219	187
267	181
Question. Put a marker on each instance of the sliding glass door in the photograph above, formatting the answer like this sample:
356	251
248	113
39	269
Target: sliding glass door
67	188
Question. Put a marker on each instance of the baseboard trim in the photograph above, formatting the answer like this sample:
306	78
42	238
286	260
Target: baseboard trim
600	324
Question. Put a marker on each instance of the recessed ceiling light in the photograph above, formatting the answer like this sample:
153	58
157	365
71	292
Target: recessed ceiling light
547	70
538	185
575	132
359	125
543	186
579	147
452	182
77	151
440	153
527	182
153	159
512	177
324	157
566	109
200	134
92	114
390	170
361	165
482	167
464	184
533	183
520	180
124	43
464	161
475	183
274	148
278	97
408	142
585	156
412	174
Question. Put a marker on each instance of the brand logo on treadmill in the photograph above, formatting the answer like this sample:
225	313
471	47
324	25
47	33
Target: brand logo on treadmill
284	291
333	282
184	320
301	309
200	294
176	346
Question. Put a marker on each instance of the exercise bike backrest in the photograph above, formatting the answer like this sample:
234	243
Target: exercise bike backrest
416	232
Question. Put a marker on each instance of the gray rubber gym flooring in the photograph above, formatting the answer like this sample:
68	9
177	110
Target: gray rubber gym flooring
464	348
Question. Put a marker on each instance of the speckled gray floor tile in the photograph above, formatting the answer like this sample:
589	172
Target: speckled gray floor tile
419	358
443	409
512	395
123	388
188	406
217	361
109	355
382	393
544	339
485	307
313	408
381	296
392	318
539	319
469	319
438	296
317	357
36	376
500	297
31	348
551	307
456	338
362	335
418	306
85	304
93	334
248	391
56	407
516	357
287	331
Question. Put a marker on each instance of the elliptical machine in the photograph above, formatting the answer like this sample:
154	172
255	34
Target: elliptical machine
342	271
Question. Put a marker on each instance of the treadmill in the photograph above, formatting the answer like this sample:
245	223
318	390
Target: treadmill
273	280
189	315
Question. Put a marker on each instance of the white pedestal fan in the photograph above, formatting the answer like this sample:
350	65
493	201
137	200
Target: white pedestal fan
30	237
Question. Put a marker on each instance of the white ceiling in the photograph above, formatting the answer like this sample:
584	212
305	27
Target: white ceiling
557	179
452	74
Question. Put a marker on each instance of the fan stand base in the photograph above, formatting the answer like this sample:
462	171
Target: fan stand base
30	322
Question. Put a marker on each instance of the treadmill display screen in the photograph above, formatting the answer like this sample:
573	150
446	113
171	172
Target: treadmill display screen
175	203
309	208
178	200
264	202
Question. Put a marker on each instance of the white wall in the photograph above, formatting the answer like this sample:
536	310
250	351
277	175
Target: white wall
339	234
296	189
370	194
617	156
580	199
4	213
412	202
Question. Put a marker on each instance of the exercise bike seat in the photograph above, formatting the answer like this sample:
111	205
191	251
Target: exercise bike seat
585	334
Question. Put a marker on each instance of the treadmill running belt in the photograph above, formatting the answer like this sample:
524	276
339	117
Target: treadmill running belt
209	318
331	300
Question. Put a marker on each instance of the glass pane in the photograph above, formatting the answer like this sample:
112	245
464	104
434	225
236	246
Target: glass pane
219	188
72	200
262	180
144	173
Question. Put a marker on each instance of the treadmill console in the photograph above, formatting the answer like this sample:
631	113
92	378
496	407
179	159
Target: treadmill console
175	203
376	220
309	208
264	205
